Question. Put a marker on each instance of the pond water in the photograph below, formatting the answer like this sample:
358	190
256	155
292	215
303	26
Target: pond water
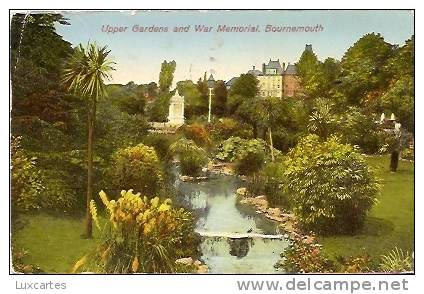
215	203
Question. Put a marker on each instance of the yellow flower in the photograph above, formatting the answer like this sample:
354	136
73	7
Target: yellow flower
135	265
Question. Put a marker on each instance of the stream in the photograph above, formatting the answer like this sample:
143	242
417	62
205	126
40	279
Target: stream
214	201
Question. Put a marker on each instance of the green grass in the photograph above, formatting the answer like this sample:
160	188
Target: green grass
53	243
390	223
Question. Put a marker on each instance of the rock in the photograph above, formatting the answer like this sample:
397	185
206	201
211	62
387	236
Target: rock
185	178
241	191
197	263
192	179
185	261
274	211
202	269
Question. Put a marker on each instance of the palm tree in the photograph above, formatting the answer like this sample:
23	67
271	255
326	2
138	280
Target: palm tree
84	74
271	114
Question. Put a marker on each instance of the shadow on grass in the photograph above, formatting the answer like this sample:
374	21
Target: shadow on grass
377	227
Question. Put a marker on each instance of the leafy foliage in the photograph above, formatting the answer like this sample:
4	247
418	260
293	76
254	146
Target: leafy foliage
160	142
396	261
25	180
304	255
399	99
227	127
330	186
322	121
192	158
359	129
141	236
246	86
363	72
198	133
236	147
137	167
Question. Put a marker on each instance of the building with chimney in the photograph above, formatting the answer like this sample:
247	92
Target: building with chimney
275	79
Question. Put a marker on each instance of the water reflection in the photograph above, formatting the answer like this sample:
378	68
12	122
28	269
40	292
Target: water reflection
215	203
239	247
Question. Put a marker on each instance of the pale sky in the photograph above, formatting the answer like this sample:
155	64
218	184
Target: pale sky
139	55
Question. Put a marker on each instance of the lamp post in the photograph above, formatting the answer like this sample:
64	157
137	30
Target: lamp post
211	84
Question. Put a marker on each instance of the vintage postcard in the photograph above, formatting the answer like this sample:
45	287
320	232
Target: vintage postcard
212	141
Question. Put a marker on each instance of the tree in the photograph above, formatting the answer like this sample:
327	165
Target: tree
193	103
166	75
160	107
310	71
246	86
37	53
399	99
322	121
84	74
219	99
270	115
363	69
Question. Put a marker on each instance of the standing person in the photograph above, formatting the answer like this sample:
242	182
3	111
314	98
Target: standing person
394	160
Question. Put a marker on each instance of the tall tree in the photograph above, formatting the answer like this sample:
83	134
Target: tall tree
37	54
159	109
310	71
219	100
166	75
246	85
84	75
363	69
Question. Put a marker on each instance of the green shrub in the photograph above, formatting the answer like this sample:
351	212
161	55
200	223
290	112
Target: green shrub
160	142
408	154
235	147
137	167
304	255
250	160
26	185
361	130
273	172
396	261
58	194
225	128
197	133
140	236
330	186
192	158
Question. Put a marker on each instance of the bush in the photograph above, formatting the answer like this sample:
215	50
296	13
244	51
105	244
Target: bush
304	255
330	186
225	128
58	195
236	147
408	154
197	133
160	142
137	167
360	129
141	236
251	160
192	158
26	185
273	172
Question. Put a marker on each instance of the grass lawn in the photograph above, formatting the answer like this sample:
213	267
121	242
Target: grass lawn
53	243
390	223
